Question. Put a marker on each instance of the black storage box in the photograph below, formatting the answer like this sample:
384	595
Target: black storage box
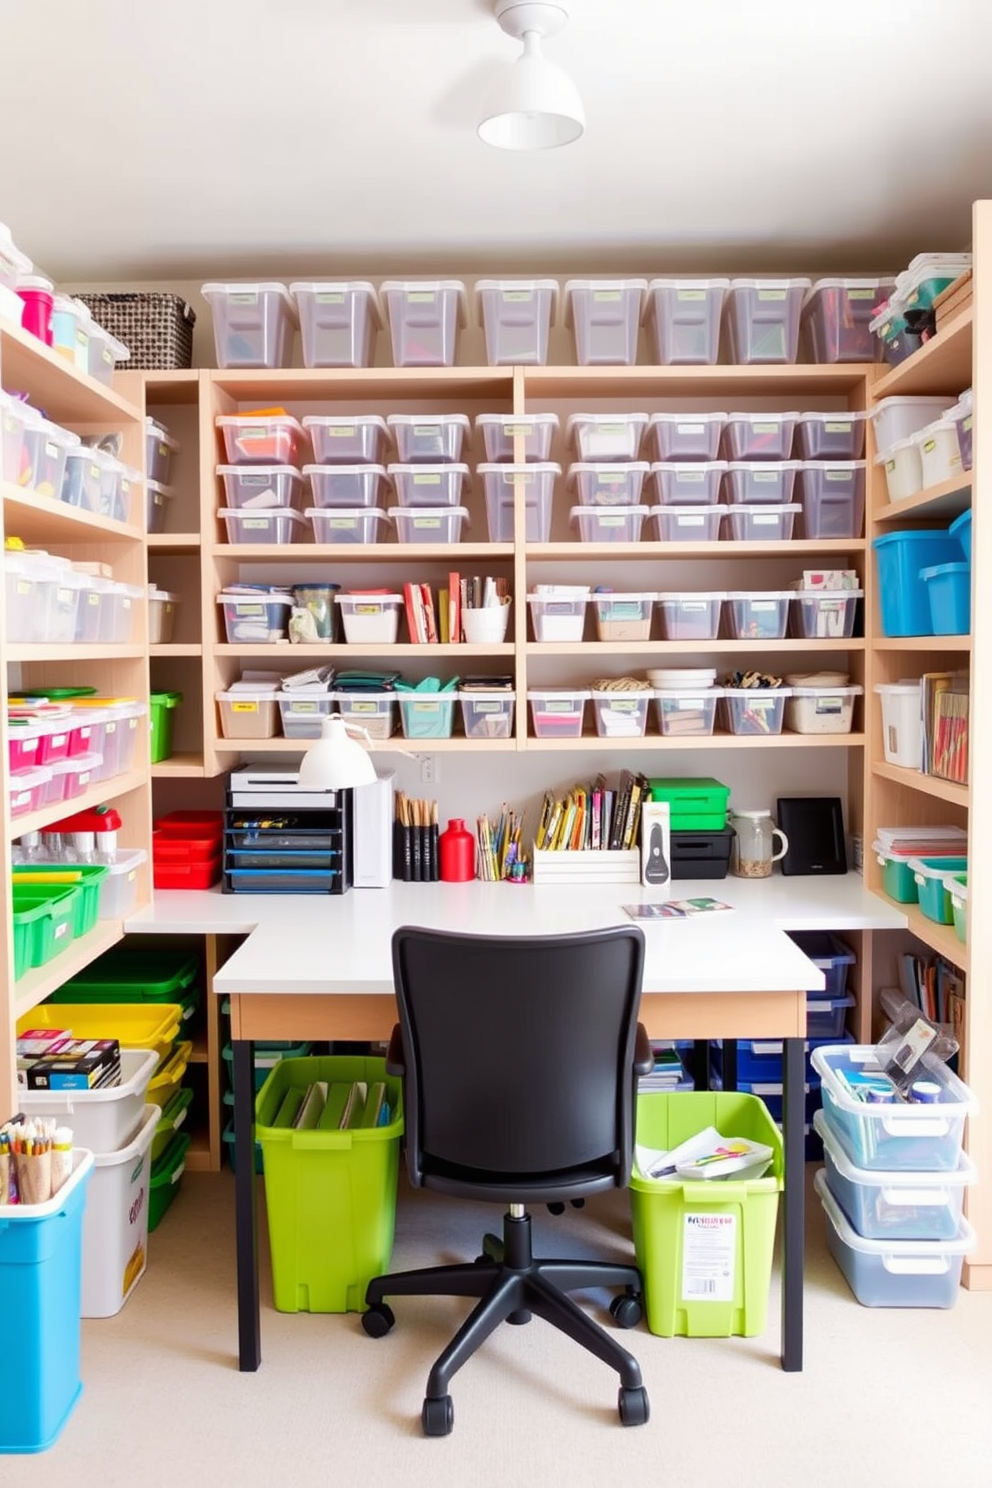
701	854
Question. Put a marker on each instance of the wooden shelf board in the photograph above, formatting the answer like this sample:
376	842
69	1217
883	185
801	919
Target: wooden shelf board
103	791
178	765
706	741
36	985
544	383
43	519
678	550
451	553
924	643
172	386
949	499
174	542
67	396
197	1158
926	785
45	651
940	938
310	384
176	648
688	648
342	651
943	365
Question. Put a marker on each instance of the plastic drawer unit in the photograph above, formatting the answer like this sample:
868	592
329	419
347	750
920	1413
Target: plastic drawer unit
683	317
253	324
338	322
516	315
347	439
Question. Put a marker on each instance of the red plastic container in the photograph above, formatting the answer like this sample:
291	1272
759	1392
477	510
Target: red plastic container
38	296
186	875
456	852
175	846
179	819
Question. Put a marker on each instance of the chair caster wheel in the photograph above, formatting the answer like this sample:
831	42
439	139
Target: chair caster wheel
556	1207
634	1406
437	1416
378	1320
627	1310
577	1203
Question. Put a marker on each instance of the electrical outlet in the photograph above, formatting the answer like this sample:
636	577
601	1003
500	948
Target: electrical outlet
428	769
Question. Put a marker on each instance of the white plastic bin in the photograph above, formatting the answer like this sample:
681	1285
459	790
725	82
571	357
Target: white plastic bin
249	619
263	439
686	483
606	436
903	466
375	712
120	887
428	485
896	418
620	715
759	436
250	486
429	524
763	319
501	482
517	316
686	713
607	483
758	616
837	314
499	431
338	322
303	717
249	711
557	713
691	617
347	438
821	710
347	524
350	486
753	481
273	525
115	1222
558	617
604	315
253	324
370	617
683	319
161	615
754	711
940	453
687	523
424	316
825	614
623	617
757	523
902	723
832	496
963	416
428	439
103	1120
608	524
686	436
831	436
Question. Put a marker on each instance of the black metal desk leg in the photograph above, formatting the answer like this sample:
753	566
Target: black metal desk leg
249	1329
794	1226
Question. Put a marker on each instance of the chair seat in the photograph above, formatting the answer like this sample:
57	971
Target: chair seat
518	1188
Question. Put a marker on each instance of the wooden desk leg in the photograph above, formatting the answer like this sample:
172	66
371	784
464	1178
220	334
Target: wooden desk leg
246	1227
794	1197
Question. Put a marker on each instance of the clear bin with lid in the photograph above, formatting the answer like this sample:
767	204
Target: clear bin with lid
940	453
753	481
249	710
691	616
763	319
686	436
683	318
427	715
263	439
338	322
13	263
157	501
962	415
606	436
350	486
303	717
274	525
45	448
370	617
607	482
821	710
66	321
347	524
123	722
838	313
687	523
26	789
608	524
832	496
754	711
429	439
161	615
558	617
59	619
604	316
160	450
14	415
903	466
623	617
248	486
620	715
253	324
104	352
500	430
517	315
831	436
688	483
759	436
249	619
487	715
428	485
423	316
429	524
19	583
686	712
118	612
557	713
927	275
896	418
375	712
82	480
501	481
758	616
347	438
120	495
825	614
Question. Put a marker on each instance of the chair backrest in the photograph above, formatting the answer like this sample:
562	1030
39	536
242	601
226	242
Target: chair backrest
519	1051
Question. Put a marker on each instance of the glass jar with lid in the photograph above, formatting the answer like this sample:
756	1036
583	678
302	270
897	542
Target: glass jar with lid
753	849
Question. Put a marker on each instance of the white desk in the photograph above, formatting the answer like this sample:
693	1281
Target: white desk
320	968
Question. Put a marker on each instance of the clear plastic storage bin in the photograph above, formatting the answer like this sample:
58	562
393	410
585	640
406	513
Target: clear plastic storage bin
303	717
247	486
558	617
426	715
759	436
604	315
428	485
606	436
274	525
838	314
757	523
263	439
375	712
607	483
44	449
687	523
104	352
501	482
500	430
686	436
688	713
14	415
754	711
486	715
423	317
351	486
88	474
963	416
831	436
832	496
428	439
758	617
623	617
253	324
896	418
347	438
940	454
157	499
825	614
821	710
249	712
683	320
347	524
771	481
557	713
690	617
688	484
338	322
429	524
370	617
620	715
160	450
763	319
516	315
608	524
249	619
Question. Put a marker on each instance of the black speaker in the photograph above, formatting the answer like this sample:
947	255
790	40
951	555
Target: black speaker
814	826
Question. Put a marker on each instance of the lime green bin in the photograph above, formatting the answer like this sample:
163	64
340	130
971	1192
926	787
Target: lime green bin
330	1194
705	1246
161	707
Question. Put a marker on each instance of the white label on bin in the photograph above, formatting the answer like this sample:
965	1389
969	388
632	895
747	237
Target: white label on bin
612	478
690	477
771	294
426	480
837	428
303	708
525	430
562	607
244	707
21	799
51	450
934	1198
249	479
245	297
694	606
709	1254
763	428
340	431
838	475
363	707
764	477
259	523
556	705
434	522
607	521
61	930
606	295
518	479
331	297
517	296
621	705
692	705
690	294
421	297
84	779
690	522
488	707
760	704
23	587
110	728
763	606
64	596
690	428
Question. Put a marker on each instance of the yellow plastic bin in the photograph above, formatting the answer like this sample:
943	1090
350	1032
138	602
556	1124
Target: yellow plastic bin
704	1247
330	1194
139	1025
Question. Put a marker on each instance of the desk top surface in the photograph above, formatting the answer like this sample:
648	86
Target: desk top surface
326	944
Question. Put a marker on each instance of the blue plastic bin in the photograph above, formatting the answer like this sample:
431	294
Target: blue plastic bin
905	604
829	955
948	589
41	1248
961	529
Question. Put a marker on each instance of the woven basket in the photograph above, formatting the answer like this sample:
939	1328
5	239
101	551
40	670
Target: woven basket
157	328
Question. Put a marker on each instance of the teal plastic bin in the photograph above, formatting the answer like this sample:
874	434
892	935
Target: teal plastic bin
933	882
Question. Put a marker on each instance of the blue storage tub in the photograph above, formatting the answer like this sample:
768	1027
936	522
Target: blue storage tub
961	529
829	955
761	1059
948	589
899	557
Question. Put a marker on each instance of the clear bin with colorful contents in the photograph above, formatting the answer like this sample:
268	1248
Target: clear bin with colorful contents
253	324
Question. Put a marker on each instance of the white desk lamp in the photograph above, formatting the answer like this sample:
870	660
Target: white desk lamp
337	761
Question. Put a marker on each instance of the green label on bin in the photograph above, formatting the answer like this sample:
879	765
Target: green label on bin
517	296
421	297
838	428
771	294
606	295
330	297
691	294
427	522
245	297
426	480
341	431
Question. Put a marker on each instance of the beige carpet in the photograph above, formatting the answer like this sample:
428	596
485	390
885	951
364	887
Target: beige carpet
886	1396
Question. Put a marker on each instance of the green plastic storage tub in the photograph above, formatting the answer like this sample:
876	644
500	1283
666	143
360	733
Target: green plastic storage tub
705	1248
172	1117
129	973
933	876
169	1073
330	1195
958	891
898	878
90	877
695	805
266	1057
166	1176
44	919
161	707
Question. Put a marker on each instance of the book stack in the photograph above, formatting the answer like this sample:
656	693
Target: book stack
593	817
440	621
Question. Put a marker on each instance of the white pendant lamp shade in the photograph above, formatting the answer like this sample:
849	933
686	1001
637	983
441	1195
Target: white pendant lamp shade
336	762
534	106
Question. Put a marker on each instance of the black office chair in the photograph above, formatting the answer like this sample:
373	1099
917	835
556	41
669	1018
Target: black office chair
518	1057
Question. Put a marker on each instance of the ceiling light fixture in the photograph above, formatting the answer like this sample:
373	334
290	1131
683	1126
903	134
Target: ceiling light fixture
534	105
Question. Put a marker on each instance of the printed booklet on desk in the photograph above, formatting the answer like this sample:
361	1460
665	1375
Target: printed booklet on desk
674	909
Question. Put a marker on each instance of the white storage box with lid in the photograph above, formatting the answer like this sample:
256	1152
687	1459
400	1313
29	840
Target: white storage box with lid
249	710
902	723
604	315
623	617
895	1206
606	436
895	1273
347	438
250	618
687	523
501	482
558	617
894	419
115	1222
253	324
686	712
103	1120
608	524
832	496
428	439
370	617
157	499
758	616
903	466
263	438
423	317
683	317
429	524
691	617
821	710
962	415
517	315
338	322
274	524
825	614
759	436
831	436
607	483
303	716
620	715
161	615
486	715
557	713
160	450
375	712
686	436
754	711
248	487
686	483
350	486
759	523
119	889
428	485
940	453
763	319
500	431
347	524
753	481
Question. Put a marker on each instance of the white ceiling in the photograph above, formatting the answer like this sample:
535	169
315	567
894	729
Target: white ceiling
238	137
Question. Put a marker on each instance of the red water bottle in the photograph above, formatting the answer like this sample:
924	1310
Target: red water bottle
456	847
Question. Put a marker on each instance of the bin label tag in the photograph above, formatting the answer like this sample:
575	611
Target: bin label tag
709	1255
694	295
